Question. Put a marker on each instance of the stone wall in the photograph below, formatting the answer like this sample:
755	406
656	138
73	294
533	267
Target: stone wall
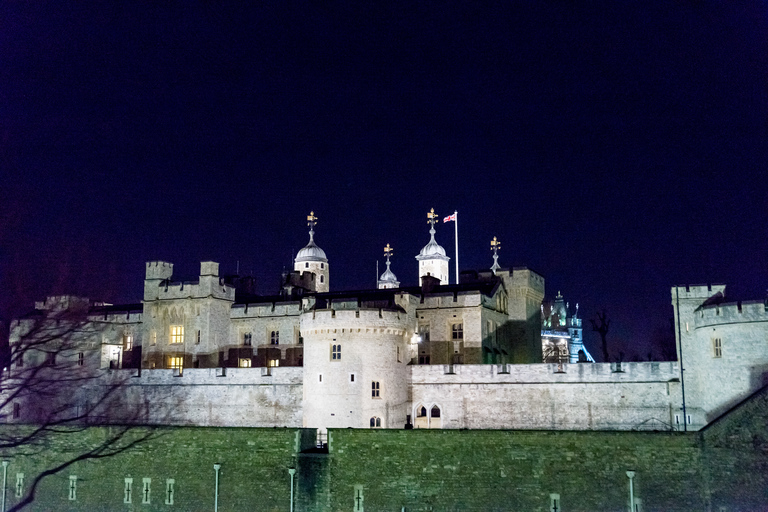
548	396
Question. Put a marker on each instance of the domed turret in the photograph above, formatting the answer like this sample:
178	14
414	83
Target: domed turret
312	258
388	278
432	259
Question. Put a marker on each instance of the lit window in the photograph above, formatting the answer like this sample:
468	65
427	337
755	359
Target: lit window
145	492
127	342
424	332
375	389
274	363
177	334
375	422
457	331
72	488
274	338
127	491
247	338
154	337
717	347
175	362
19	484
80	359
335	352
245	362
169	491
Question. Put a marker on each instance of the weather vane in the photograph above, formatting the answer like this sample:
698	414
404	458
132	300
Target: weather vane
495	246
311	222
388	251
432	217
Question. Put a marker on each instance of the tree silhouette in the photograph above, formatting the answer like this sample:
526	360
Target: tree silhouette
601	327
54	384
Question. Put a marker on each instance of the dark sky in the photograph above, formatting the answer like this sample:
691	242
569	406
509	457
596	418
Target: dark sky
617	148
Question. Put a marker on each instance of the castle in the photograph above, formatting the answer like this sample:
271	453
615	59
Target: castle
468	355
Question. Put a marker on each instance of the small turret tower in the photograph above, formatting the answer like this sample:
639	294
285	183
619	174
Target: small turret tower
388	278
312	258
432	259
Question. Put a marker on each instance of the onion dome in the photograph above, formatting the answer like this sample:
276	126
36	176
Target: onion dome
311	252
388	279
432	250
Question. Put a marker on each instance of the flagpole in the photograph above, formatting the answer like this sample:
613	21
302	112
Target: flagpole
456	239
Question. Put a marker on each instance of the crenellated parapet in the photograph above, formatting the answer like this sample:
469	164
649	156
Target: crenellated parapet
358	322
730	312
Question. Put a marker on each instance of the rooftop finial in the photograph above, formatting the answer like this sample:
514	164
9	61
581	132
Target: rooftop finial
495	246
311	222
432	219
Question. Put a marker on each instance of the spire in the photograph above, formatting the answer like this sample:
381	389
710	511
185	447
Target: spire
388	278
495	246
311	222
432	219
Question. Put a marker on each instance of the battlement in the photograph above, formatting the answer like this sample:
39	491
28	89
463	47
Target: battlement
523	277
730	312
159	270
63	303
209	268
360	321
700	291
266	309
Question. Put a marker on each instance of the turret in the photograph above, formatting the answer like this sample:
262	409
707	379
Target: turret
388	278
312	258
432	259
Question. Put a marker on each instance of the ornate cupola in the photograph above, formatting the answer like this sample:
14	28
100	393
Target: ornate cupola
432	259
312	258
388	278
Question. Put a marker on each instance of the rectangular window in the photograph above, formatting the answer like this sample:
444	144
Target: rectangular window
554	503
274	363
198	336
20	361
169	491
80	359
375	389
128	490
146	490
16	411
336	352
399	358
424	332
177	334
175	362
127	342
72	488
19	484
247	339
274	338
717	347
457	331
244	362
154	337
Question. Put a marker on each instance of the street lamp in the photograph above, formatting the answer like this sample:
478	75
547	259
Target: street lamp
631	475
291	471
216	467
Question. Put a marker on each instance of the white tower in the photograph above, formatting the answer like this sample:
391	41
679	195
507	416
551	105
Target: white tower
388	278
312	258
432	258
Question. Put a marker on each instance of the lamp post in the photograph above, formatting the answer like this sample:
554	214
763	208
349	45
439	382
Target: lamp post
216	467
291	471
5	480
631	475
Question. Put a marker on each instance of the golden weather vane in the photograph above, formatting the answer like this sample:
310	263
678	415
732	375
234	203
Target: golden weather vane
311	220
495	244
388	251
432	217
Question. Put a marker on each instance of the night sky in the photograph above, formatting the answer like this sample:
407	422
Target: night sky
617	148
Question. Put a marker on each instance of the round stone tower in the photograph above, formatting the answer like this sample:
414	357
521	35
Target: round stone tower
355	366
312	258
432	258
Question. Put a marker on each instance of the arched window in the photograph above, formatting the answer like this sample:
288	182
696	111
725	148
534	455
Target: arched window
421	412
375	422
435	412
